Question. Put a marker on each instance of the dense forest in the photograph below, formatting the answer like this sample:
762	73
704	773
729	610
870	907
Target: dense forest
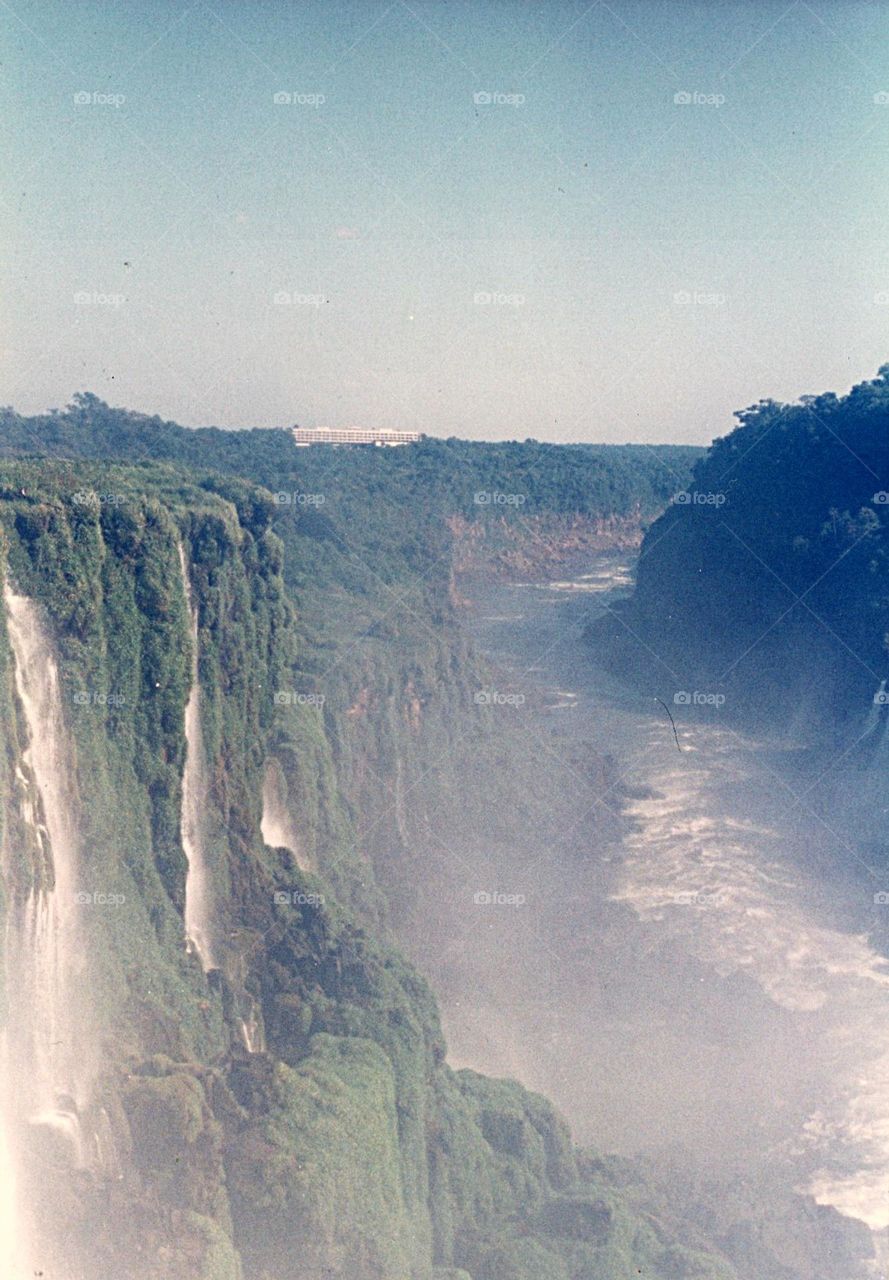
767	580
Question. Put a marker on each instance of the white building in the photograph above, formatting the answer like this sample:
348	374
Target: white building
353	435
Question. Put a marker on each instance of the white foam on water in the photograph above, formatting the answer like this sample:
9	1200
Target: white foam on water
722	885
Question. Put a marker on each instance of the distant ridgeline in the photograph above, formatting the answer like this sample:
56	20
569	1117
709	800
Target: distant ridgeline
766	580
373	520
454	477
275	1104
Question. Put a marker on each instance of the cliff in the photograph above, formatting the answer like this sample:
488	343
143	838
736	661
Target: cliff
289	1112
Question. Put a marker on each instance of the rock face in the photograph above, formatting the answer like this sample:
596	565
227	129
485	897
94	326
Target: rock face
539	545
342	1144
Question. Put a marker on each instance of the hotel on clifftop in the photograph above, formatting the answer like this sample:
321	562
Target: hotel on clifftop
353	435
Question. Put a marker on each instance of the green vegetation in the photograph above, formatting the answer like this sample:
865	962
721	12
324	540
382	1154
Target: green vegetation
349	1147
771	581
329	653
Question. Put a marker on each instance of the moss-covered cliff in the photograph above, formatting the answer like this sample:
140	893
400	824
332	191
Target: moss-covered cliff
343	1145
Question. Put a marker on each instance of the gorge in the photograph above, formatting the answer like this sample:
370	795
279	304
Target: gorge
315	739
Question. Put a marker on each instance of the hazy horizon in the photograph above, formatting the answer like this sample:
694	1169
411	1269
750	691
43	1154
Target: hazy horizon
492	221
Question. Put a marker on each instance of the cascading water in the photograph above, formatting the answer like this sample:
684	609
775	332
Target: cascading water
199	913
48	1050
252	1029
277	825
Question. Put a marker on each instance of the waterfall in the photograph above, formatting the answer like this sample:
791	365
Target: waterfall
277	826
47	1062
199	931
252	1029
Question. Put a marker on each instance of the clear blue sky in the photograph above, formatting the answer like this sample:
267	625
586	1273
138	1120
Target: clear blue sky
494	269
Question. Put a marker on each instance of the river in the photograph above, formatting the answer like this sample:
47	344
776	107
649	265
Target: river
704	978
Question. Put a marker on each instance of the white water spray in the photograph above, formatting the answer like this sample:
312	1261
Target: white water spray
277	825
47	1063
252	1029
199	914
